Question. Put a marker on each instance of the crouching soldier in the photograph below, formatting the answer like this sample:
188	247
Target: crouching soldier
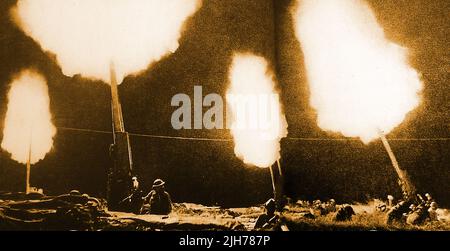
345	213
269	219
395	214
432	211
158	200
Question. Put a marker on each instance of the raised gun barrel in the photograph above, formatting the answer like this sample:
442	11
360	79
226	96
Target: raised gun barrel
405	183
119	175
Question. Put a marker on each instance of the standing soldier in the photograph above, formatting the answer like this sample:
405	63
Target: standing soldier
134	201
135	183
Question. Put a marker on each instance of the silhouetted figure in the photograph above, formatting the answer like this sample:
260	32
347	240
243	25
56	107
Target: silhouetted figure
158	200
428	200
432	211
418	216
390	199
344	213
425	211
269	218
395	214
134	201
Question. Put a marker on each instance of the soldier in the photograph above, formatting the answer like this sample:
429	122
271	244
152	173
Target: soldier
396	213
135	183
390	201
344	213
331	206
418	216
420	199
432	211
429	199
269	218
318	208
158	200
134	201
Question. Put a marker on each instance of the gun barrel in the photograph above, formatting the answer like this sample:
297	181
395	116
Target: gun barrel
407	185
115	102
119	177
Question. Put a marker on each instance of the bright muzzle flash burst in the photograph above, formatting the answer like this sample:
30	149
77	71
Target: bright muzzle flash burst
87	35
28	132
258	123
360	82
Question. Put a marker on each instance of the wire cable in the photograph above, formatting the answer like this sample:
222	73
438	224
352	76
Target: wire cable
229	139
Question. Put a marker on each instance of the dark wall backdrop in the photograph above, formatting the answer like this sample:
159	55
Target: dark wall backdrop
350	170
208	172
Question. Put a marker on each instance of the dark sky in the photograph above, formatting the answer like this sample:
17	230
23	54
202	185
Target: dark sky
208	172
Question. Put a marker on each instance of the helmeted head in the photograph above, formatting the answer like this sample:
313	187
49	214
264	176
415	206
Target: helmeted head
158	185
433	205
428	196
74	192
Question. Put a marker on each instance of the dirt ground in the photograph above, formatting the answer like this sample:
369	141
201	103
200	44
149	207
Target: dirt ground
84	213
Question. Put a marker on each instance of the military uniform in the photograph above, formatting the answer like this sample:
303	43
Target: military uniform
344	213
269	219
157	201
136	201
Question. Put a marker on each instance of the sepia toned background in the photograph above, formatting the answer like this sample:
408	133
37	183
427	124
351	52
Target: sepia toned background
208	172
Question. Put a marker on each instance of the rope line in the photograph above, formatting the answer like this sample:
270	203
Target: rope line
229	139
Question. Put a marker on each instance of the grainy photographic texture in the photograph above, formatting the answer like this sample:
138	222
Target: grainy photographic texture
282	115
